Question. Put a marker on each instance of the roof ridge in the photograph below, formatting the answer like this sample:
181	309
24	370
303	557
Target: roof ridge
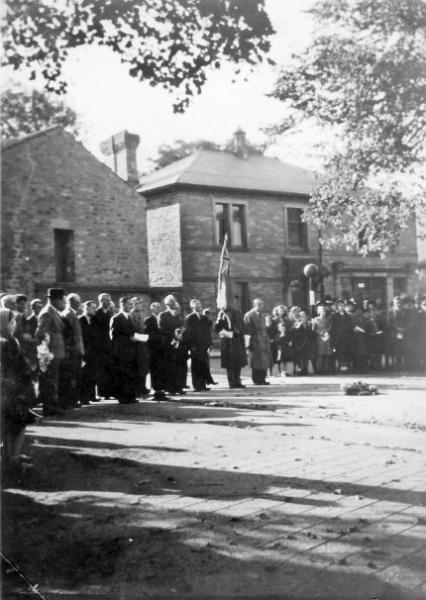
194	155
15	141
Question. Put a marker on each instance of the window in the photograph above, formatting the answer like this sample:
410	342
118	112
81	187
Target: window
399	285
371	288
221	211
242	295
64	255
297	231
231	219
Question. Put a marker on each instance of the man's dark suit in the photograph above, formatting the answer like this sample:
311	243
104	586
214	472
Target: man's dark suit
232	350
175	353
124	353
198	339
88	376
70	369
103	353
156	354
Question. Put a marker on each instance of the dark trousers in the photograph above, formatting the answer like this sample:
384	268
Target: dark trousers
104	376
124	379
234	376
176	369
258	375
200	370
301	359
88	380
125	387
209	375
48	387
70	381
157	370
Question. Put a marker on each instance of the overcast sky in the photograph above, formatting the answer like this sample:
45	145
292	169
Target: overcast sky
109	100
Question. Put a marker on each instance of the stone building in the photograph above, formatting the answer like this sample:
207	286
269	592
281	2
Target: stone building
258	201
68	220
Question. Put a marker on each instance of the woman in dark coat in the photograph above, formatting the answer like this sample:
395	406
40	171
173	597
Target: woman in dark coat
303	339
359	343
172	331
283	342
230	327
17	392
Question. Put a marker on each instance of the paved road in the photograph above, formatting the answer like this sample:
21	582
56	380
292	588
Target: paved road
291	491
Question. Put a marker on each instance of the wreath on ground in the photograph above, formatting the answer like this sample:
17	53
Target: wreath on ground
359	388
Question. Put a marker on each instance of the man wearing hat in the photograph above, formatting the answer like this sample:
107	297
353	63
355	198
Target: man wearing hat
50	328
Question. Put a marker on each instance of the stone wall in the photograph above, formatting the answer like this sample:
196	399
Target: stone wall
164	246
51	181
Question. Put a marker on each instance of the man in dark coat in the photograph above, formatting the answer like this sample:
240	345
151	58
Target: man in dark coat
198	339
70	370
172	329
136	316
397	324
124	352
102	319
51	327
156	352
260	348
30	342
230	327
341	334
88	373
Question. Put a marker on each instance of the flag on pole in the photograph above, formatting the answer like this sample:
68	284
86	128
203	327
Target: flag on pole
224	284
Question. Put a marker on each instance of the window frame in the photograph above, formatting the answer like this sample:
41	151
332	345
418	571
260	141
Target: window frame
304	246
228	218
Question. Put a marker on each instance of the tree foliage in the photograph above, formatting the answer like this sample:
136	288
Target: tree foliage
170	153
23	112
364	76
164	42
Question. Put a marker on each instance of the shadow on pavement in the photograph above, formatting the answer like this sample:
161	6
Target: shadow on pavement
90	522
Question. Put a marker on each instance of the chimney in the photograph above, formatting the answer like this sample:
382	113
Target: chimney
240	144
120	150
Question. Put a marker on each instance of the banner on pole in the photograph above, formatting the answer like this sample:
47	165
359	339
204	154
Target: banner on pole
224	284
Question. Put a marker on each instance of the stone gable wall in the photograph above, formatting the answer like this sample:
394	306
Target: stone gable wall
51	181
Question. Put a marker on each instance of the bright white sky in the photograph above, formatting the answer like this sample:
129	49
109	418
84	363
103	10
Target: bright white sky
109	100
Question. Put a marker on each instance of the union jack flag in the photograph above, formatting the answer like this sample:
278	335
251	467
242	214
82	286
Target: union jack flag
224	284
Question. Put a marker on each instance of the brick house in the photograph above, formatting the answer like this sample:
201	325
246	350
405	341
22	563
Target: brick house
68	220
258	201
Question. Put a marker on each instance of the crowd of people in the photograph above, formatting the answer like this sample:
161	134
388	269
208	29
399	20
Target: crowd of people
63	354
345	336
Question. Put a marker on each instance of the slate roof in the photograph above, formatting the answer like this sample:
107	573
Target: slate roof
209	168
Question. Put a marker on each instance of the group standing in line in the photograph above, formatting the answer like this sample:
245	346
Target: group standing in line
63	354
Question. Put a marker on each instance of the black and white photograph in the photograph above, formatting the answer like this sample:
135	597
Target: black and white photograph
213	300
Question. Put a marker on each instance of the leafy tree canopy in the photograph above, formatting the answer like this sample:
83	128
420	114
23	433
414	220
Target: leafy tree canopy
23	112
165	42
364	76
169	153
